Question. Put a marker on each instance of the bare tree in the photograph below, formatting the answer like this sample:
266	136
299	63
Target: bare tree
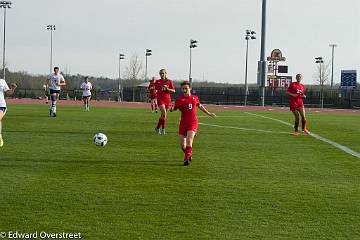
132	72
322	73
321	77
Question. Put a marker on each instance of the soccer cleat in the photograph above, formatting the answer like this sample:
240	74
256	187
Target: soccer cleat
157	130
296	133
1	141
306	131
163	131
186	162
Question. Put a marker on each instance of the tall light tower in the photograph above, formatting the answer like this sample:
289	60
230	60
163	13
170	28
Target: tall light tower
120	96
192	45
320	61
262	62
250	35
148	53
51	28
5	5
332	64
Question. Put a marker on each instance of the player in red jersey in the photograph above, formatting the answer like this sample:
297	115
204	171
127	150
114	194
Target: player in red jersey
164	87
296	91
152	95
187	104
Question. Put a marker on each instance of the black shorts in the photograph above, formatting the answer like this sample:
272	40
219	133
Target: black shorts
84	97
52	91
3	109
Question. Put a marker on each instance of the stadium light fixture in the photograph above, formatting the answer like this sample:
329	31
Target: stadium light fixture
5	5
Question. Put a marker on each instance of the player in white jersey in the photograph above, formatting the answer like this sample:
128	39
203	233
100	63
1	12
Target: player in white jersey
86	86
4	89
55	81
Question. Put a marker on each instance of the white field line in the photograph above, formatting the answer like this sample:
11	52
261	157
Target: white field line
244	129
318	137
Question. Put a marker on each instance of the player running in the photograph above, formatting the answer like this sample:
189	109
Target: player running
296	91
4	89
152	95
86	86
187	104
164	87
55	81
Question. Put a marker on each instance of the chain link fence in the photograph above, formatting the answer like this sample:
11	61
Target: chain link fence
333	98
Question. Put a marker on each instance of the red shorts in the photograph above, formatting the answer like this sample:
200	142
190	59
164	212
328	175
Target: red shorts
166	102
294	106
152	96
184	127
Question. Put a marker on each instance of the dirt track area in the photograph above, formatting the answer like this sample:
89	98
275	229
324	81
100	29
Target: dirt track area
209	106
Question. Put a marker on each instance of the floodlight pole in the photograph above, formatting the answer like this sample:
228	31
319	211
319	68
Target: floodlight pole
51	28
332	64
148	53
262	62
120	94
249	35
5	5
192	45
320	61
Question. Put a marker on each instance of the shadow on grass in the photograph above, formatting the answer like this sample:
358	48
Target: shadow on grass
46	131
95	162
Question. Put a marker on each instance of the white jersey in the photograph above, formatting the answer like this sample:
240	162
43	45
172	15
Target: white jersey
3	88
55	81
86	87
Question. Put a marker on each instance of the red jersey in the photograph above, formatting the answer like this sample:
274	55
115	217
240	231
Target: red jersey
296	88
187	105
152	90
161	93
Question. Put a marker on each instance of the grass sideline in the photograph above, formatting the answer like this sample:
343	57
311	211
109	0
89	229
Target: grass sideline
241	184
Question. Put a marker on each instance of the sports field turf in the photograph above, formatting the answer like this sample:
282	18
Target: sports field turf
242	183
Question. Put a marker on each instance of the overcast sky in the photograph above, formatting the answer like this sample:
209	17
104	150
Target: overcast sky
90	34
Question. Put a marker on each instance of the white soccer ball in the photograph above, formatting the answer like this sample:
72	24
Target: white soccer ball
100	139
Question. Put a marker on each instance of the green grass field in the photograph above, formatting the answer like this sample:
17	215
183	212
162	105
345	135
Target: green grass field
242	184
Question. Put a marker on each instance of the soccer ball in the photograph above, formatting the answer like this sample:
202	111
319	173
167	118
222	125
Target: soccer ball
100	139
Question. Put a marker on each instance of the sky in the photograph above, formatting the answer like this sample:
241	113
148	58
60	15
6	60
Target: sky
90	34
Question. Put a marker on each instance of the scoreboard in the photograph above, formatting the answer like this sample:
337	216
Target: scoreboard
348	79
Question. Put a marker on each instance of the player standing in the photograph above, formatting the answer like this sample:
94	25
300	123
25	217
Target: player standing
86	86
296	91
4	89
187	104
55	81
164	87
152	95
